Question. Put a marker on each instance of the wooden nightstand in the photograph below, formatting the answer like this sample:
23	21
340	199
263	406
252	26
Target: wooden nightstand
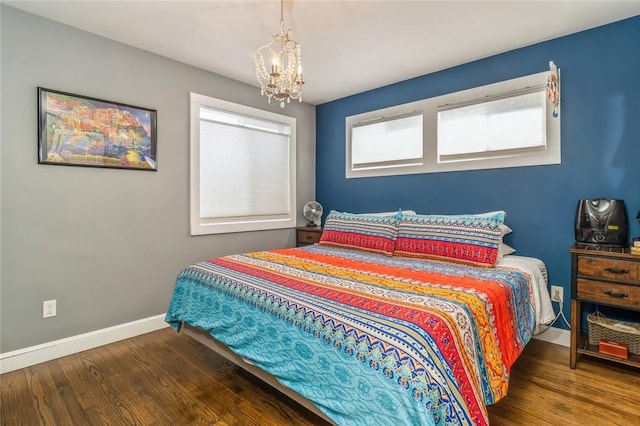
306	235
607	276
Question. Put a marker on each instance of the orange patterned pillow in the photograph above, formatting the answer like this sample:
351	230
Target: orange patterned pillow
360	231
467	239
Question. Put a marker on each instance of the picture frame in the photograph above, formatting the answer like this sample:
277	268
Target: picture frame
76	130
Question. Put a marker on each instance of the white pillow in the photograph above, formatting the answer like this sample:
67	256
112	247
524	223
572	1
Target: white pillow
505	229
505	249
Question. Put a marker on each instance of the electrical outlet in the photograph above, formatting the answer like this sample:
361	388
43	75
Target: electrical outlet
48	308
556	293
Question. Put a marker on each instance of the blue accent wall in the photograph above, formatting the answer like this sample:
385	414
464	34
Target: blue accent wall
600	131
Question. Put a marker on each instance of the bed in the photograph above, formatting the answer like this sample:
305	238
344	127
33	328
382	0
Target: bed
363	336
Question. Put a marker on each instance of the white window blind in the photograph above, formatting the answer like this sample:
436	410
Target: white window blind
387	142
244	172
504	124
491	128
244	177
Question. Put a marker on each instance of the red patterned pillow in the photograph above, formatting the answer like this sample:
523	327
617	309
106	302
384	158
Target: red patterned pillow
363	232
467	239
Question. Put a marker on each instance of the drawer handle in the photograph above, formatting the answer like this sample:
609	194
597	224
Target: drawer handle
616	271
617	294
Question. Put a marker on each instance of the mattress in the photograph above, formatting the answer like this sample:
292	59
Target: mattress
537	271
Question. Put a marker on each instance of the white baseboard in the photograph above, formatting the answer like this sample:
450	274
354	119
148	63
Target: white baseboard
556	335
27	357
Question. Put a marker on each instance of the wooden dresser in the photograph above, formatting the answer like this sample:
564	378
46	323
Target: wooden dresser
306	235
607	276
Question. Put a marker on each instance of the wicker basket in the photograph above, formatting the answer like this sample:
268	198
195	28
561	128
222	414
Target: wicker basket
602	328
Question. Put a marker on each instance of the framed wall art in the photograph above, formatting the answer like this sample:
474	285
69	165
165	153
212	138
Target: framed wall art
75	130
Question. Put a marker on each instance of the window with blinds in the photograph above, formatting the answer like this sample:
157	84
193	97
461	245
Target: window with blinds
507	125
503	124
387	142
242	168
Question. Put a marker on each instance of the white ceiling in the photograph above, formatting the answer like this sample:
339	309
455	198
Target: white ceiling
347	46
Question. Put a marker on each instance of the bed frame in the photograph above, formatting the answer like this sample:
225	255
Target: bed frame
223	350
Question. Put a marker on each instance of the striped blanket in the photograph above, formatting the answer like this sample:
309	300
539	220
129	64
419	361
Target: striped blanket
369	339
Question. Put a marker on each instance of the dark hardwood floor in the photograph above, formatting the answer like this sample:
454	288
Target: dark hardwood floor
164	378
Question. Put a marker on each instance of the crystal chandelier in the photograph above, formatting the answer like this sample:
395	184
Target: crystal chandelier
283	80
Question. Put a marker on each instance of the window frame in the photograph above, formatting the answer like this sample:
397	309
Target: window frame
206	226
429	108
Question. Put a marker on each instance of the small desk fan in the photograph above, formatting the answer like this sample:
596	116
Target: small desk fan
312	211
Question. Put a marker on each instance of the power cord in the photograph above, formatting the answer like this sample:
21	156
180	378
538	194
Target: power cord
558	315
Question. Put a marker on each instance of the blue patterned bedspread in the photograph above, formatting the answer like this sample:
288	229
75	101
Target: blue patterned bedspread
369	339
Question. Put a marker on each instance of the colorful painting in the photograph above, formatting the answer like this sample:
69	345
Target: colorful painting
81	131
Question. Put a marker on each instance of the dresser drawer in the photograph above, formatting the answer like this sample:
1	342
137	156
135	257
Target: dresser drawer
611	269
308	237
610	293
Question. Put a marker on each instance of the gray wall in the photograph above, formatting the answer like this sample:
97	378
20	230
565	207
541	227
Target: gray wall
107	244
